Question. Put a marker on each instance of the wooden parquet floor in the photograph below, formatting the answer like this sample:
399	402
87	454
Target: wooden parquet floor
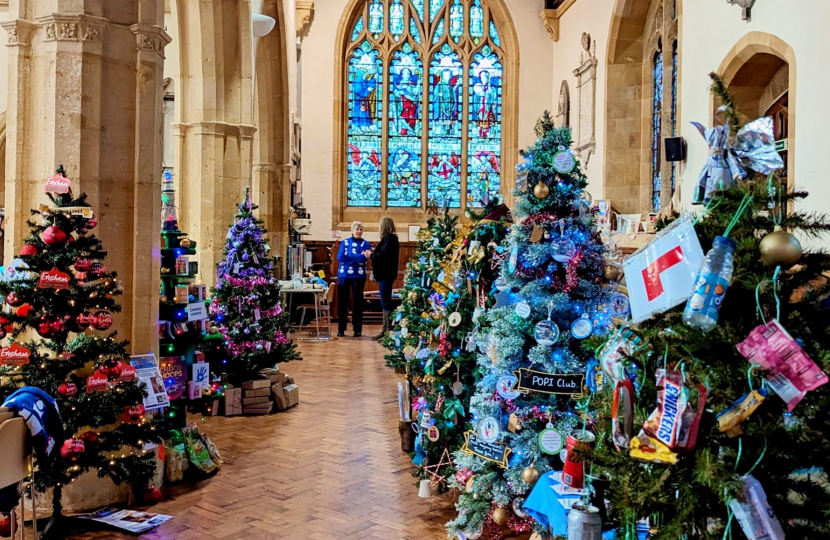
330	468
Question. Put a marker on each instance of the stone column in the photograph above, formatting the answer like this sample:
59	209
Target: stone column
85	91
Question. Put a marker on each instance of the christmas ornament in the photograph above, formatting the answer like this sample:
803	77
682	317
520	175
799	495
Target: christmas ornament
53	279
3	332
24	310
82	321
82	264
152	496
28	250
541	190
488	429
500	516
133	413
546	332
454	319
780	248
67	389
562	249
433	470
563	161
97	382
54	236
550	440
611	272
50	326
756	516
72	448
97	269
128	373
504	387
462	476
14	299
501	284
89	437
523	309
530	474
6	527
102	320
433	434
90	224
582	327
185	243
111	368
513	260
619	306
516	505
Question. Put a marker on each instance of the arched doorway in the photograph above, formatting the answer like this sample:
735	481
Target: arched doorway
642	75
760	73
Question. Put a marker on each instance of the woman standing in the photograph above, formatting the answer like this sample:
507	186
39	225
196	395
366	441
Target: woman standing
385	269
351	276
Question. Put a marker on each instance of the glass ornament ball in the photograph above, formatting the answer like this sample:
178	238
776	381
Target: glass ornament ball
541	190
561	250
501	283
546	332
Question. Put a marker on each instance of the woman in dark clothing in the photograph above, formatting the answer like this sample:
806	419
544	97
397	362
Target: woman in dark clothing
385	269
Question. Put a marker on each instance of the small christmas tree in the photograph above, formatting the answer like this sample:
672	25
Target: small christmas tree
61	290
246	301
549	298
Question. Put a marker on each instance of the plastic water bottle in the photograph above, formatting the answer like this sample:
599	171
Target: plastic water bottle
710	286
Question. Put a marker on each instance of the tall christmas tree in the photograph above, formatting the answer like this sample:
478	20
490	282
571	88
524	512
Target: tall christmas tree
246	302
748	381
60	290
442	366
550	297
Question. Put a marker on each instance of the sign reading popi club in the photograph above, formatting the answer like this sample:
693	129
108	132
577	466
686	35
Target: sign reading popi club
530	380
662	274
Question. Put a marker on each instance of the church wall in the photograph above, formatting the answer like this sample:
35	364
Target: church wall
318	97
4	58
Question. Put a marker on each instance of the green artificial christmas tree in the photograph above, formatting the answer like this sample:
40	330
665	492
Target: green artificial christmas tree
534	346
246	301
741	366
60	297
442	367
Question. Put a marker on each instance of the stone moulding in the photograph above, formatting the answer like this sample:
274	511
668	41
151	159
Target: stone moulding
19	32
77	27
150	38
550	18
303	10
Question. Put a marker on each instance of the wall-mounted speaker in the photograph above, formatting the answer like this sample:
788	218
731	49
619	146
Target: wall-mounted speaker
675	148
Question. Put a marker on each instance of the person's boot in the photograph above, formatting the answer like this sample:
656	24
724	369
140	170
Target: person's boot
387	325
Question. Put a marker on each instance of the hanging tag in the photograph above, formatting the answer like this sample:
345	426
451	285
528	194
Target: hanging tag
471	343
536	234
256	314
268	346
455	319
523	310
236	268
256	260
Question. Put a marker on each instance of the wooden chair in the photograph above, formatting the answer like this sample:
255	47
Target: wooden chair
16	464
321	311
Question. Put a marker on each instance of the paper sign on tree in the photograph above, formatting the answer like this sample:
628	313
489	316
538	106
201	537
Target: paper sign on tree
662	274
58	184
53	279
15	354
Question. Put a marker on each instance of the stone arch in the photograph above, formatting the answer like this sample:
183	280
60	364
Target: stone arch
760	68
639	29
510	115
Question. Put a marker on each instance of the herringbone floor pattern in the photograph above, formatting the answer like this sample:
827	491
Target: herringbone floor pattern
330	468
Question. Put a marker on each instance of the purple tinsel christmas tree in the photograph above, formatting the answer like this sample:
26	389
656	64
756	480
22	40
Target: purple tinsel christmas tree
245	303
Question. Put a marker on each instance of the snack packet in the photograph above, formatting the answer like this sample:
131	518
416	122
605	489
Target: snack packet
730	420
623	343
756	517
672	399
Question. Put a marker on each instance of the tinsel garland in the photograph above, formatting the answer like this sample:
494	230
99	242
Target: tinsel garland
240	347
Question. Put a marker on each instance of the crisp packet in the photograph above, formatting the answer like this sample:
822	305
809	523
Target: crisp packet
672	399
755	516
623	343
687	438
650	449
729	420
791	372
622	415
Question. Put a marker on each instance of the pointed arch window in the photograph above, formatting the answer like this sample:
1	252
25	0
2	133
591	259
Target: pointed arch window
656	123
423	93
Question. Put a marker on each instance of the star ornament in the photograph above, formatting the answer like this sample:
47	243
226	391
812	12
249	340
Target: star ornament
433	470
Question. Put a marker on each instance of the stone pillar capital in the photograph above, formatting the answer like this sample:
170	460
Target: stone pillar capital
150	38
19	32
73	27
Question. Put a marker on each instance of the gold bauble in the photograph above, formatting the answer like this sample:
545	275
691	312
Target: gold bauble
185	243
612	272
780	248
530	474
162	299
500	516
541	190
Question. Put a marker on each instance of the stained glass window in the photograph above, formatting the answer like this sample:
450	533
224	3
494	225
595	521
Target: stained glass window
358	28
484	127
409	137
406	87
365	119
656	114
673	109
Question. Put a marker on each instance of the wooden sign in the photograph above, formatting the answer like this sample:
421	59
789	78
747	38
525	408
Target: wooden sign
84	211
495	452
53	279
15	354
531	380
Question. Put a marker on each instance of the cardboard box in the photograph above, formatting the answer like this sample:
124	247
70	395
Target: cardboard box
210	407
292	394
280	399
254	401
288	379
233	401
254	385
259	392
263	408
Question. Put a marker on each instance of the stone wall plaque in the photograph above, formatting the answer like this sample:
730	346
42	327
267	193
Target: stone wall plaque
586	76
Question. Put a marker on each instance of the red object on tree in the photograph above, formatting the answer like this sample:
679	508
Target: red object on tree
24	310
54	236
72	448
102	320
112	369
67	389
28	250
89	437
83	264
5	527
14	300
153	496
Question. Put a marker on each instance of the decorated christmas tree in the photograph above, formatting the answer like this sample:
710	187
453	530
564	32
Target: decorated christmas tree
59	298
442	368
550	297
246	301
729	435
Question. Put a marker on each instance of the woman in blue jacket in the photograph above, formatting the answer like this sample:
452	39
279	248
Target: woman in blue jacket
351	276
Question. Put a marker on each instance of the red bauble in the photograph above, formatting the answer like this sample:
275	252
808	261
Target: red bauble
89	437
54	236
28	250
24	310
102	320
14	300
82	264
72	448
91	223
97	269
3	332
5	527
67	389
69	239
50	326
83	320
112	369
152	496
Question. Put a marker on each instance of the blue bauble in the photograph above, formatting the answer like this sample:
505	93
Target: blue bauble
245	256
